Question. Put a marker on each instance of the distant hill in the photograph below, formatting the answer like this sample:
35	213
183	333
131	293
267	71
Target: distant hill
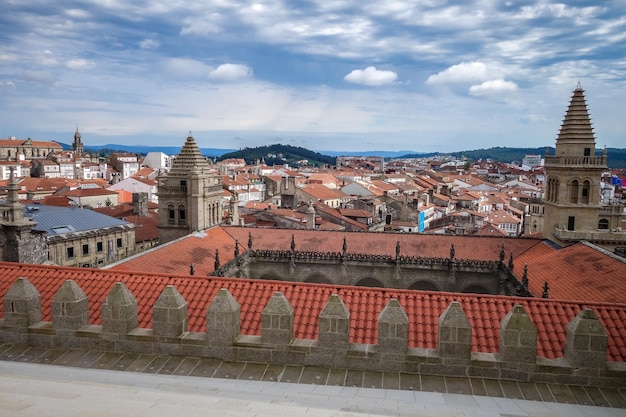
616	156
280	154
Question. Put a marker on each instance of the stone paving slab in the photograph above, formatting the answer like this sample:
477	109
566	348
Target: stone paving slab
375	387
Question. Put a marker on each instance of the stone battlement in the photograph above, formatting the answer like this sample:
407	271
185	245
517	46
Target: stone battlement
584	361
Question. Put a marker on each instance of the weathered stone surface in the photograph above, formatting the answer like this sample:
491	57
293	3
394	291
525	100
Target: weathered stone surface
455	333
222	319
334	324
119	311
393	329
22	304
170	313
518	337
70	307
277	321
587	341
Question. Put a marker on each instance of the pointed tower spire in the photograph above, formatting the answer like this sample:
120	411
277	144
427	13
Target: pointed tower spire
189	158
576	128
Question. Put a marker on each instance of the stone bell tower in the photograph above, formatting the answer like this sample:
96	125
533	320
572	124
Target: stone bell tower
574	210
18	241
189	195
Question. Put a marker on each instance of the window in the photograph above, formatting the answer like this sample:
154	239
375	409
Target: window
119	242
85	249
603	224
182	215
171	219
70	252
574	192
570	223
99	247
183	183
587	152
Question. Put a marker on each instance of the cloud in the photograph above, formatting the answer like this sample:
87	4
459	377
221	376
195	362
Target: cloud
186	68
201	25
463	72
493	87
40	77
149	43
79	64
371	76
230	72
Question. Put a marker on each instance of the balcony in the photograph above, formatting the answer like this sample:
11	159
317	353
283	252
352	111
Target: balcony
612	210
575	161
171	189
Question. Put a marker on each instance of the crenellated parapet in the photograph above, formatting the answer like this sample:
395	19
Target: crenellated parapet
584	360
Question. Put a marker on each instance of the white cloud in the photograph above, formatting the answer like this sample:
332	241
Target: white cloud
493	87
371	76
41	77
201	25
10	84
230	72
149	43
463	72
79	64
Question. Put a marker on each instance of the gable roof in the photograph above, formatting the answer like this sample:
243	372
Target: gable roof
60	220
423	308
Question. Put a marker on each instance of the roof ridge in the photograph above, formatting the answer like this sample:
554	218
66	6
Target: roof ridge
604	251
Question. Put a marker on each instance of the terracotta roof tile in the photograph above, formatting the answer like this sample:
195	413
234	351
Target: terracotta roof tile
423	308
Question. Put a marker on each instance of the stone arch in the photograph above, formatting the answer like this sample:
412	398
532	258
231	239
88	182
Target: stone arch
369	282
424	286
318	279
603	224
182	215
586	191
476	289
574	191
171	214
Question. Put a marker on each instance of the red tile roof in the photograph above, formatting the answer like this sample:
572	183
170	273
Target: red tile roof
577	272
422	308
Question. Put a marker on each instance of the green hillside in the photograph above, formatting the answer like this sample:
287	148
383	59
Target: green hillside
616	156
280	154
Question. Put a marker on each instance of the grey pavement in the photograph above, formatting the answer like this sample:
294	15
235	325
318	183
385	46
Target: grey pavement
78	382
30	389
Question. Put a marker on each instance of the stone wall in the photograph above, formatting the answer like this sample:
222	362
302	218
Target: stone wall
584	361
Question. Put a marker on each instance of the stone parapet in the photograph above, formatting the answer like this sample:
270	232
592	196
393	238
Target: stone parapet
584	361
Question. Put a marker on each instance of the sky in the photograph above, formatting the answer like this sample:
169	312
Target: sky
342	75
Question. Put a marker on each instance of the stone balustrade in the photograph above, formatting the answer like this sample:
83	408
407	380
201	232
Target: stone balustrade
584	361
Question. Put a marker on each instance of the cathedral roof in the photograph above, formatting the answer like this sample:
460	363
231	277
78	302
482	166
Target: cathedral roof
189	159
576	126
423	308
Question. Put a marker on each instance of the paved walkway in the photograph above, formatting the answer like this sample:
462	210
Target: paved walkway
93	383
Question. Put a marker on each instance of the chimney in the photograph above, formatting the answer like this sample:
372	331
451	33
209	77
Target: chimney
140	204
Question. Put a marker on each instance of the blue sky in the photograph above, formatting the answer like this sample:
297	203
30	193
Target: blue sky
427	75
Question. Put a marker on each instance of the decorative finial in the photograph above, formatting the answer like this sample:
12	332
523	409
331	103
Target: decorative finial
190	135
546	288
217	259
293	243
452	251
249	241
578	86
345	246
525	277
502	254
192	271
236	248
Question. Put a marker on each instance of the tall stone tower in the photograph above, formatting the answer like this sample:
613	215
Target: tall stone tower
77	146
189	195
573	207
18	242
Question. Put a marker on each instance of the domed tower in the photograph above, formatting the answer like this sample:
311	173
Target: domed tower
189	195
573	207
77	146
